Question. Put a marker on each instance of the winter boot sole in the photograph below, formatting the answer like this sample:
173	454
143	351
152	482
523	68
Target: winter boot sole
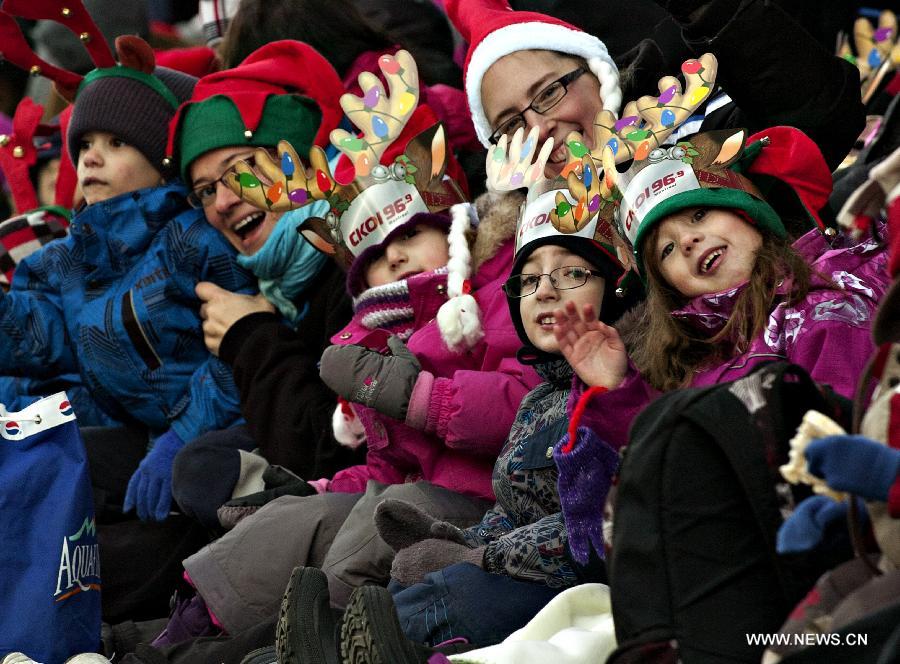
305	630
371	632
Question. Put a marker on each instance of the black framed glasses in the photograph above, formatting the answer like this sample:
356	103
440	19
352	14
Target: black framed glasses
543	101
562	278
205	195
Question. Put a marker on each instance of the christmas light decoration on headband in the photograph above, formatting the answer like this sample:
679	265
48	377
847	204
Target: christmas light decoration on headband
584	198
381	196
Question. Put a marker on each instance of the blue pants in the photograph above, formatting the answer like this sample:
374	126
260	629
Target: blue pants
465	601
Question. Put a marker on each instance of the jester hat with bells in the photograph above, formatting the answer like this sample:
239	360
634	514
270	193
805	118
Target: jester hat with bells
133	99
398	166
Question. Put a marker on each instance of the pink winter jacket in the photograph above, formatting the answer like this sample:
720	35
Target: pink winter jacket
828	333
473	400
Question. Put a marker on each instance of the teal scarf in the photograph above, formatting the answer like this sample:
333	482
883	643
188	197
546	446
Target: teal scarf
287	263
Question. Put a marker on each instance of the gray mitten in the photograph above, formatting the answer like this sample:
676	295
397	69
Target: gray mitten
412	564
365	376
402	524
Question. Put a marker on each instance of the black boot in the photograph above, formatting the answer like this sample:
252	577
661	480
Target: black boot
306	627
371	632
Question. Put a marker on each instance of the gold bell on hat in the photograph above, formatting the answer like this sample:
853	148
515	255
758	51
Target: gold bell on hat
35	70
85	37
18	152
4	140
65	11
248	134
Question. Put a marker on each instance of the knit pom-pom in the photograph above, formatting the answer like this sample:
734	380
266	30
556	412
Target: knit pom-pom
459	321
347	428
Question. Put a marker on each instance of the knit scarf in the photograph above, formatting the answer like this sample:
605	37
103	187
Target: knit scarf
286	263
389	307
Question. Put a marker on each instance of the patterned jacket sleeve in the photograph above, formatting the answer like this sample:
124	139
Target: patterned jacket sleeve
33	335
536	552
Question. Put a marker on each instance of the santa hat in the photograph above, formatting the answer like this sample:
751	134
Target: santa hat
493	30
264	99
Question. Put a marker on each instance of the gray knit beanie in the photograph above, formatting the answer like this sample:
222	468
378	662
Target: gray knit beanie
134	106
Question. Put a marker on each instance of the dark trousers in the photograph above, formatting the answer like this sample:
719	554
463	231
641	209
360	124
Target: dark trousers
212	650
465	601
140	561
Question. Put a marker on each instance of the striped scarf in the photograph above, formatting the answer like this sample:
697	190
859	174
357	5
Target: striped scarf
388	307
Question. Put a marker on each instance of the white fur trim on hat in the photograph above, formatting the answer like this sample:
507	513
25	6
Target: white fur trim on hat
459	318
347	429
543	36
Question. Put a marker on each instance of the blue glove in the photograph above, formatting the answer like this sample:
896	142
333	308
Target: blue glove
150	488
805	528
855	464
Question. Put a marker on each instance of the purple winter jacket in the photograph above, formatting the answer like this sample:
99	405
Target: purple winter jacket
473	400
828	333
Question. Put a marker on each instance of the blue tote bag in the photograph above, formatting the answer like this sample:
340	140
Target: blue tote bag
50	580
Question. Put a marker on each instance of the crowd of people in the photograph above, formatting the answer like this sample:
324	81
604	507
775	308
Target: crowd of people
375	318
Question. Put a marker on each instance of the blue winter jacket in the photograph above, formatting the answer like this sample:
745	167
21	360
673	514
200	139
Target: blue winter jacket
114	302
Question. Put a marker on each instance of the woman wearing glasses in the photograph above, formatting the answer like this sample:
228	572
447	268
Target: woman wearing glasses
216	129
528	69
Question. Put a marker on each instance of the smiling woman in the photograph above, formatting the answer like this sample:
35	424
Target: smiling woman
519	66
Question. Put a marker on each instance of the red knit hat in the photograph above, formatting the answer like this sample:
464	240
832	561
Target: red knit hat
494	30
278	68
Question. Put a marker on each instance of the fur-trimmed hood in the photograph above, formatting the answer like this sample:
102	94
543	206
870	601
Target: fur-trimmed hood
498	215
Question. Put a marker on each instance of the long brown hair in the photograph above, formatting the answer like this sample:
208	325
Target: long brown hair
672	351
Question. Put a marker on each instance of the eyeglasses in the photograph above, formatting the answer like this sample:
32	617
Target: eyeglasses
204	196
543	102
562	278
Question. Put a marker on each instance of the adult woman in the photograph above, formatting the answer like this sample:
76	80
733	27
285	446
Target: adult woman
526	68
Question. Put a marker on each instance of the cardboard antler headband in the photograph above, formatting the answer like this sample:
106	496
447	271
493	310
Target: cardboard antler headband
380	197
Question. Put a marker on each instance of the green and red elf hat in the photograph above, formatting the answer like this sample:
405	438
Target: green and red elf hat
284	90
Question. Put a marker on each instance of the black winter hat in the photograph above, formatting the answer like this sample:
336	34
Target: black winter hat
135	106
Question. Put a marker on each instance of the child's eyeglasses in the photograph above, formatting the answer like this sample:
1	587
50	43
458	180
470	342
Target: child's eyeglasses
562	278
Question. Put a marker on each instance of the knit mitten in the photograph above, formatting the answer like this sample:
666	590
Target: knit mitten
586	469
402	524
805	529
855	464
413	563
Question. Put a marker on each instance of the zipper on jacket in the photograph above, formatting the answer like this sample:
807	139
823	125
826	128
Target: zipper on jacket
136	334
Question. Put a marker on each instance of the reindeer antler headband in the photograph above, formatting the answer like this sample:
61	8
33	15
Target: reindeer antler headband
380	197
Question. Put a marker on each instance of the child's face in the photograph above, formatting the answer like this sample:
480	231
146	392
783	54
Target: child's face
419	249
244	226
704	251
537	309
108	166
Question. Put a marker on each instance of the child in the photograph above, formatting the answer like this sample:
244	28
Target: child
727	292
114	301
517	556
726	288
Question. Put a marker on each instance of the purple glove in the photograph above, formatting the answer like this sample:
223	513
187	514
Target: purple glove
585	476
412	563
150	488
854	464
805	528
